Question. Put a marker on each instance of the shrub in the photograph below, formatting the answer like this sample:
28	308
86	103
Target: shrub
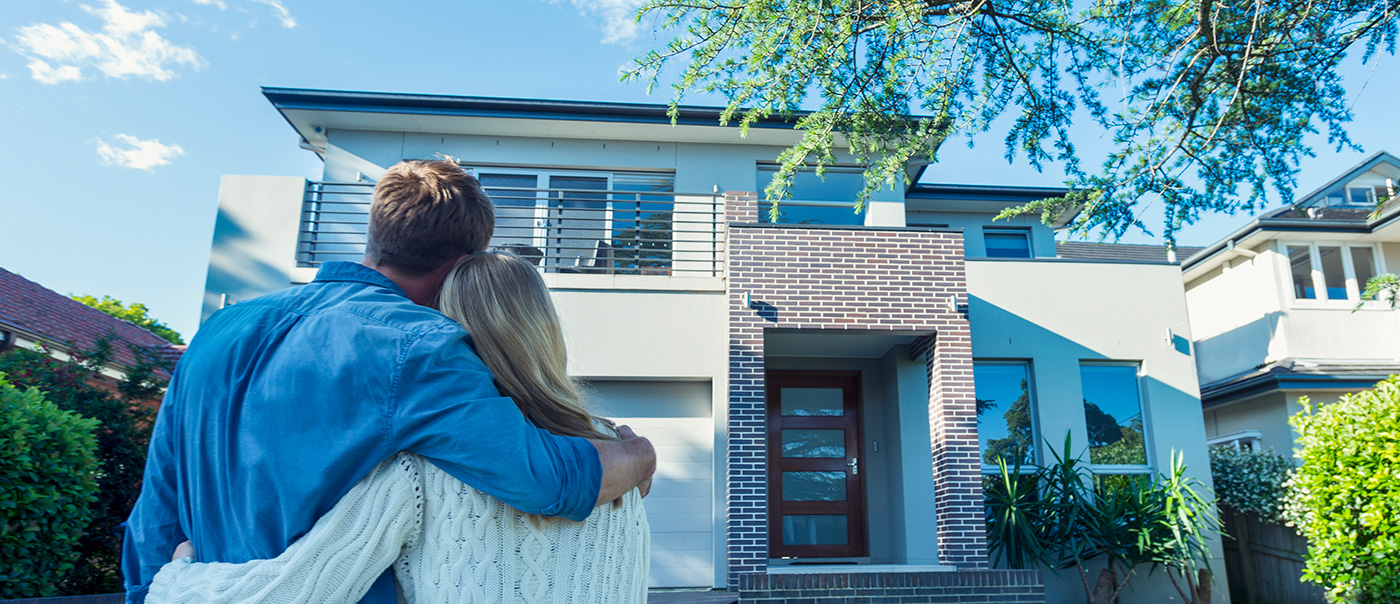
122	438
47	462
1250	481
1063	515
1345	497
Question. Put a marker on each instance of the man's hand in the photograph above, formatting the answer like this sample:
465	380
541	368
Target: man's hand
184	550
627	464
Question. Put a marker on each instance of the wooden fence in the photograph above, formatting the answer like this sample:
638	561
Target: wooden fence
1264	562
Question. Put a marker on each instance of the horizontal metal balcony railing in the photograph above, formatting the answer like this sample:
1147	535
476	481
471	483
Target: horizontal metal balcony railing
610	232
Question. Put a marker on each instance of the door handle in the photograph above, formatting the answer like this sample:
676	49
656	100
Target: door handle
854	465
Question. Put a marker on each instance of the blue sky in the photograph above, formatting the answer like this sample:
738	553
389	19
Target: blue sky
119	117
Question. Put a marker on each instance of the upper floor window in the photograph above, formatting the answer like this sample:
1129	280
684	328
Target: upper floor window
1330	271
1005	415
1353	196
813	199
1007	243
579	221
1113	415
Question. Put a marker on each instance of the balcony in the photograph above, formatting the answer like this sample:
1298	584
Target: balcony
610	233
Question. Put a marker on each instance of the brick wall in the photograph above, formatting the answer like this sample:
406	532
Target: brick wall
982	586
865	279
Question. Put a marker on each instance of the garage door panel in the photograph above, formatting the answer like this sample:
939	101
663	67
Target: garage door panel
675	489
679	522
675	417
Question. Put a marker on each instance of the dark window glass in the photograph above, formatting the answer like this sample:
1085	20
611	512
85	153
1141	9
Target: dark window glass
1332	272
1007	244
1365	265
1005	417
515	211
840	188
1113	414
814	530
1300	262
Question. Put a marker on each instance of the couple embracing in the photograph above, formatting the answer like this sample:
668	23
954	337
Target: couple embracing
401	428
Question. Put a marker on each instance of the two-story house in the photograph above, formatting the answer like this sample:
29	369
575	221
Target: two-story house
826	390
1274	306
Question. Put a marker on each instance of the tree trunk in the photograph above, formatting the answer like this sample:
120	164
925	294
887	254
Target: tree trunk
1202	595
1103	589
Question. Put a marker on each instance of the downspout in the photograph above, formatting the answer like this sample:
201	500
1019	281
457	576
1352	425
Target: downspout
1230	247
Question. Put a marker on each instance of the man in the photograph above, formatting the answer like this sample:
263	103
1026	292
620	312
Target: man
282	403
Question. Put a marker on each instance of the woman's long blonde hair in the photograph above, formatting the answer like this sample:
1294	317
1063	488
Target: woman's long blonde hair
504	304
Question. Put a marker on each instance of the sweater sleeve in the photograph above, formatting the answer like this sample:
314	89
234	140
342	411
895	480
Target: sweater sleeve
337	561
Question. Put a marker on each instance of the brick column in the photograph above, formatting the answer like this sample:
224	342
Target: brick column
957	470
741	207
746	477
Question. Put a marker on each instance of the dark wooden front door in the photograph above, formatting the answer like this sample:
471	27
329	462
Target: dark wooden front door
816	494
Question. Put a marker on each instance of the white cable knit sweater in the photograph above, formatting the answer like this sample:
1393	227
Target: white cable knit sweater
446	541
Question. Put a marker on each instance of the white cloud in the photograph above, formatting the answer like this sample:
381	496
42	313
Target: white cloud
127	46
619	17
136	153
4	76
219	4
283	15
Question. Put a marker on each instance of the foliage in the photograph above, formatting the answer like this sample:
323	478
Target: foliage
122	438
1250	481
135	312
1198	97
47	463
1381	287
1345	497
1062	515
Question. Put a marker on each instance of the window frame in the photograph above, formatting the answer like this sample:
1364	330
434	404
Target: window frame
1139	379
1023	232
1035	454
1353	286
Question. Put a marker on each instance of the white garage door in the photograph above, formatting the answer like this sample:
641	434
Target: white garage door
676	416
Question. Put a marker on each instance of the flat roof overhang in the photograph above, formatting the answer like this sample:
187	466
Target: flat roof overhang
314	112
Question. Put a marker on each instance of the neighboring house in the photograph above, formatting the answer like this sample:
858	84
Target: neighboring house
1272	307
35	317
813	386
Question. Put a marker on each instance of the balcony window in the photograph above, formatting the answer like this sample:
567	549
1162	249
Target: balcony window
814	199
1330	271
1005	414
1007	243
1113	414
574	221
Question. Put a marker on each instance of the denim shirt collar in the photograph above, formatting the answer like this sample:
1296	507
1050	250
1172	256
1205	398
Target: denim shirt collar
355	272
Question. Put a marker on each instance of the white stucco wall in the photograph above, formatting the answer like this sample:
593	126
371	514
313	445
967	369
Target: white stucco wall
255	238
1235	312
1267	413
1057	314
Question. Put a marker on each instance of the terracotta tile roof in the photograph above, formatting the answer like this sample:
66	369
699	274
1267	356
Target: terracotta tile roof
1127	252
33	310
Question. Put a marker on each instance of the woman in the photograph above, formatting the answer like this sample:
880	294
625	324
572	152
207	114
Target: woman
446	541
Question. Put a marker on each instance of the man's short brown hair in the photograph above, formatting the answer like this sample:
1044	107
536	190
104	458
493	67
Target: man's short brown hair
426	213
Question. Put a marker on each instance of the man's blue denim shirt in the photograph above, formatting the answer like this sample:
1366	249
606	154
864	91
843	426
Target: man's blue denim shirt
284	402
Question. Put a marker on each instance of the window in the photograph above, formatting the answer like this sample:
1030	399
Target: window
1330	271
1113	414
578	221
813	199
1007	243
1005	415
